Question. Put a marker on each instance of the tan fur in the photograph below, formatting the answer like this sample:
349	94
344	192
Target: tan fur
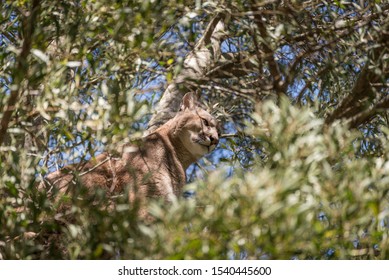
156	167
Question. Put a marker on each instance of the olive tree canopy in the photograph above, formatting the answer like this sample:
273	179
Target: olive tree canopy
300	89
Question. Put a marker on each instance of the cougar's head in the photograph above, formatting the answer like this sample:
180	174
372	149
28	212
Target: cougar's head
196	128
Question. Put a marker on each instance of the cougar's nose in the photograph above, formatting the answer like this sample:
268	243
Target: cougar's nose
214	140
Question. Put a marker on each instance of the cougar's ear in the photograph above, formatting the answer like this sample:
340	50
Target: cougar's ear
188	102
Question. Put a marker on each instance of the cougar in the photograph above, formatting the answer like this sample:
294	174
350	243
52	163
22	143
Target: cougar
153	169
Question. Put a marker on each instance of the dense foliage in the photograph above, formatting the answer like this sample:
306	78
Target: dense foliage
300	87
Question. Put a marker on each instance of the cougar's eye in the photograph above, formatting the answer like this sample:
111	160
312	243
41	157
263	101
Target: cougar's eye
205	122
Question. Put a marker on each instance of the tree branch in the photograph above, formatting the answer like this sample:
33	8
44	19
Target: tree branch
232	65
20	70
195	66
361	103
278	85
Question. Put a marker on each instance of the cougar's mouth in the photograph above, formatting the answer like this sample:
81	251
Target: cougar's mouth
205	143
201	143
210	147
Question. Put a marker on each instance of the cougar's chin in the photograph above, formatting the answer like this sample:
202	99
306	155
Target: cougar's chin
211	148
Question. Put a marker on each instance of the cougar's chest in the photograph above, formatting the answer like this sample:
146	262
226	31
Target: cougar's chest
153	169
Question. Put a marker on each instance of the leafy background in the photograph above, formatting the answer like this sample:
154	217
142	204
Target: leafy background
301	171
